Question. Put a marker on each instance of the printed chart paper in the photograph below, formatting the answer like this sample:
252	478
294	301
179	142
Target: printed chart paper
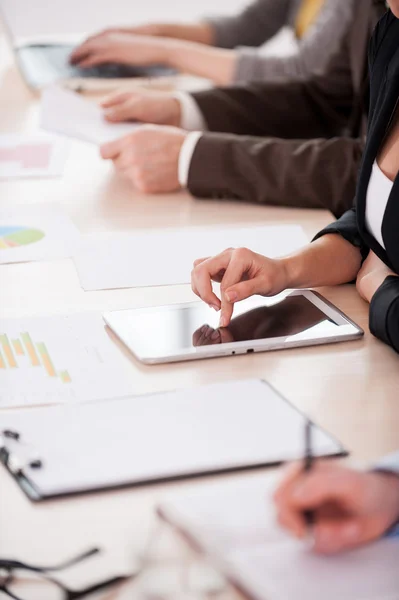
36	232
67	113
165	257
59	359
38	155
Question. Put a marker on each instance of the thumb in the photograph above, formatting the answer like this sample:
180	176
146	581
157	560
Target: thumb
114	99
243	290
338	535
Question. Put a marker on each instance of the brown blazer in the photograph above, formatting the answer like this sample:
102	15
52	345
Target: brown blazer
290	143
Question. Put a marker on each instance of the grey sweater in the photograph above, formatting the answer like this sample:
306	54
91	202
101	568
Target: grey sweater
262	19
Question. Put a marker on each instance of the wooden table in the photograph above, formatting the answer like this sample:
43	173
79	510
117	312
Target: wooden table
350	389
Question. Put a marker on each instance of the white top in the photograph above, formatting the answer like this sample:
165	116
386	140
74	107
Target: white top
378	193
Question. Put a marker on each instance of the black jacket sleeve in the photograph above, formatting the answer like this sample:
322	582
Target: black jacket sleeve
346	227
384	312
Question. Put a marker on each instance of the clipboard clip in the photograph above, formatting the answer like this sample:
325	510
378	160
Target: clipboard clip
13	463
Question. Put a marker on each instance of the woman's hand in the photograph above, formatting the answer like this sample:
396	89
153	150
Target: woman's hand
159	108
371	276
122	48
241	273
351	507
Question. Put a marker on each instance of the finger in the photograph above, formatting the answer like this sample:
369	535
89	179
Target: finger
201	277
290	477
111	150
115	99
293	522
321	487
81	52
243	290
128	110
200	260
336	536
239	264
125	160
92	60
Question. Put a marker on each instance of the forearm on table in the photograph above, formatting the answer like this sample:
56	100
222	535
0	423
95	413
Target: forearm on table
212	63
330	260
202	33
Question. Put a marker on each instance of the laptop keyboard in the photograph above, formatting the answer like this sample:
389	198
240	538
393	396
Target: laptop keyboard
45	64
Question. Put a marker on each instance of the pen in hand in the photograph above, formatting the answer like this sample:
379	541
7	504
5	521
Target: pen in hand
309	515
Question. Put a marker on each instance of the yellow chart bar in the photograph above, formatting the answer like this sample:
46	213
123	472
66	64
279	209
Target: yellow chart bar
18	348
65	377
2	363
4	341
46	360
34	359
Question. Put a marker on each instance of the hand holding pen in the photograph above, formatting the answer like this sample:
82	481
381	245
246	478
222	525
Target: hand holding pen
345	508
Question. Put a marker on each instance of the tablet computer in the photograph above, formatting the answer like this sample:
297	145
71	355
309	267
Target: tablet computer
179	332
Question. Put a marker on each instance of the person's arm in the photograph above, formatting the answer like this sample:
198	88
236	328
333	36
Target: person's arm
318	173
331	260
384	312
315	50
186	47
202	33
256	24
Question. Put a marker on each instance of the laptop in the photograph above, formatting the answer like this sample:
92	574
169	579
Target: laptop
43	64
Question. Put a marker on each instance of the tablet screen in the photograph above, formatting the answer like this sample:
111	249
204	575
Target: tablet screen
163	331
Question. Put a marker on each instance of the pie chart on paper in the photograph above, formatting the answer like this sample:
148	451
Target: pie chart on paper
15	236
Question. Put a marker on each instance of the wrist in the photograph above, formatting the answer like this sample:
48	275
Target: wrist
391	495
291	269
224	65
171	52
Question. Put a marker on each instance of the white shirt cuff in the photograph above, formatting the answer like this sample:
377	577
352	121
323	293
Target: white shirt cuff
191	116
185	156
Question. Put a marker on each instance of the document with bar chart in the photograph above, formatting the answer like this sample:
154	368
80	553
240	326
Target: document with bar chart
59	359
31	155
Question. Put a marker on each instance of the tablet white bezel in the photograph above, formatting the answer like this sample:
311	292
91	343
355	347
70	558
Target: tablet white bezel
347	331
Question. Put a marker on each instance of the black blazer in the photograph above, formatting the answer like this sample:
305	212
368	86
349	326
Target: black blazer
384	97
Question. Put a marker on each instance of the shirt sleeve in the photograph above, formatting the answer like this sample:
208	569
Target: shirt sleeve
192	118
321	42
186	155
384	312
390	464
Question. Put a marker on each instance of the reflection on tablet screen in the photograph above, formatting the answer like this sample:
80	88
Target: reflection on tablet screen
169	330
291	316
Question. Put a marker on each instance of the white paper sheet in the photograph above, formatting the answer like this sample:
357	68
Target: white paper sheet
67	113
51	360
235	523
165	257
158	436
36	232
31	155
